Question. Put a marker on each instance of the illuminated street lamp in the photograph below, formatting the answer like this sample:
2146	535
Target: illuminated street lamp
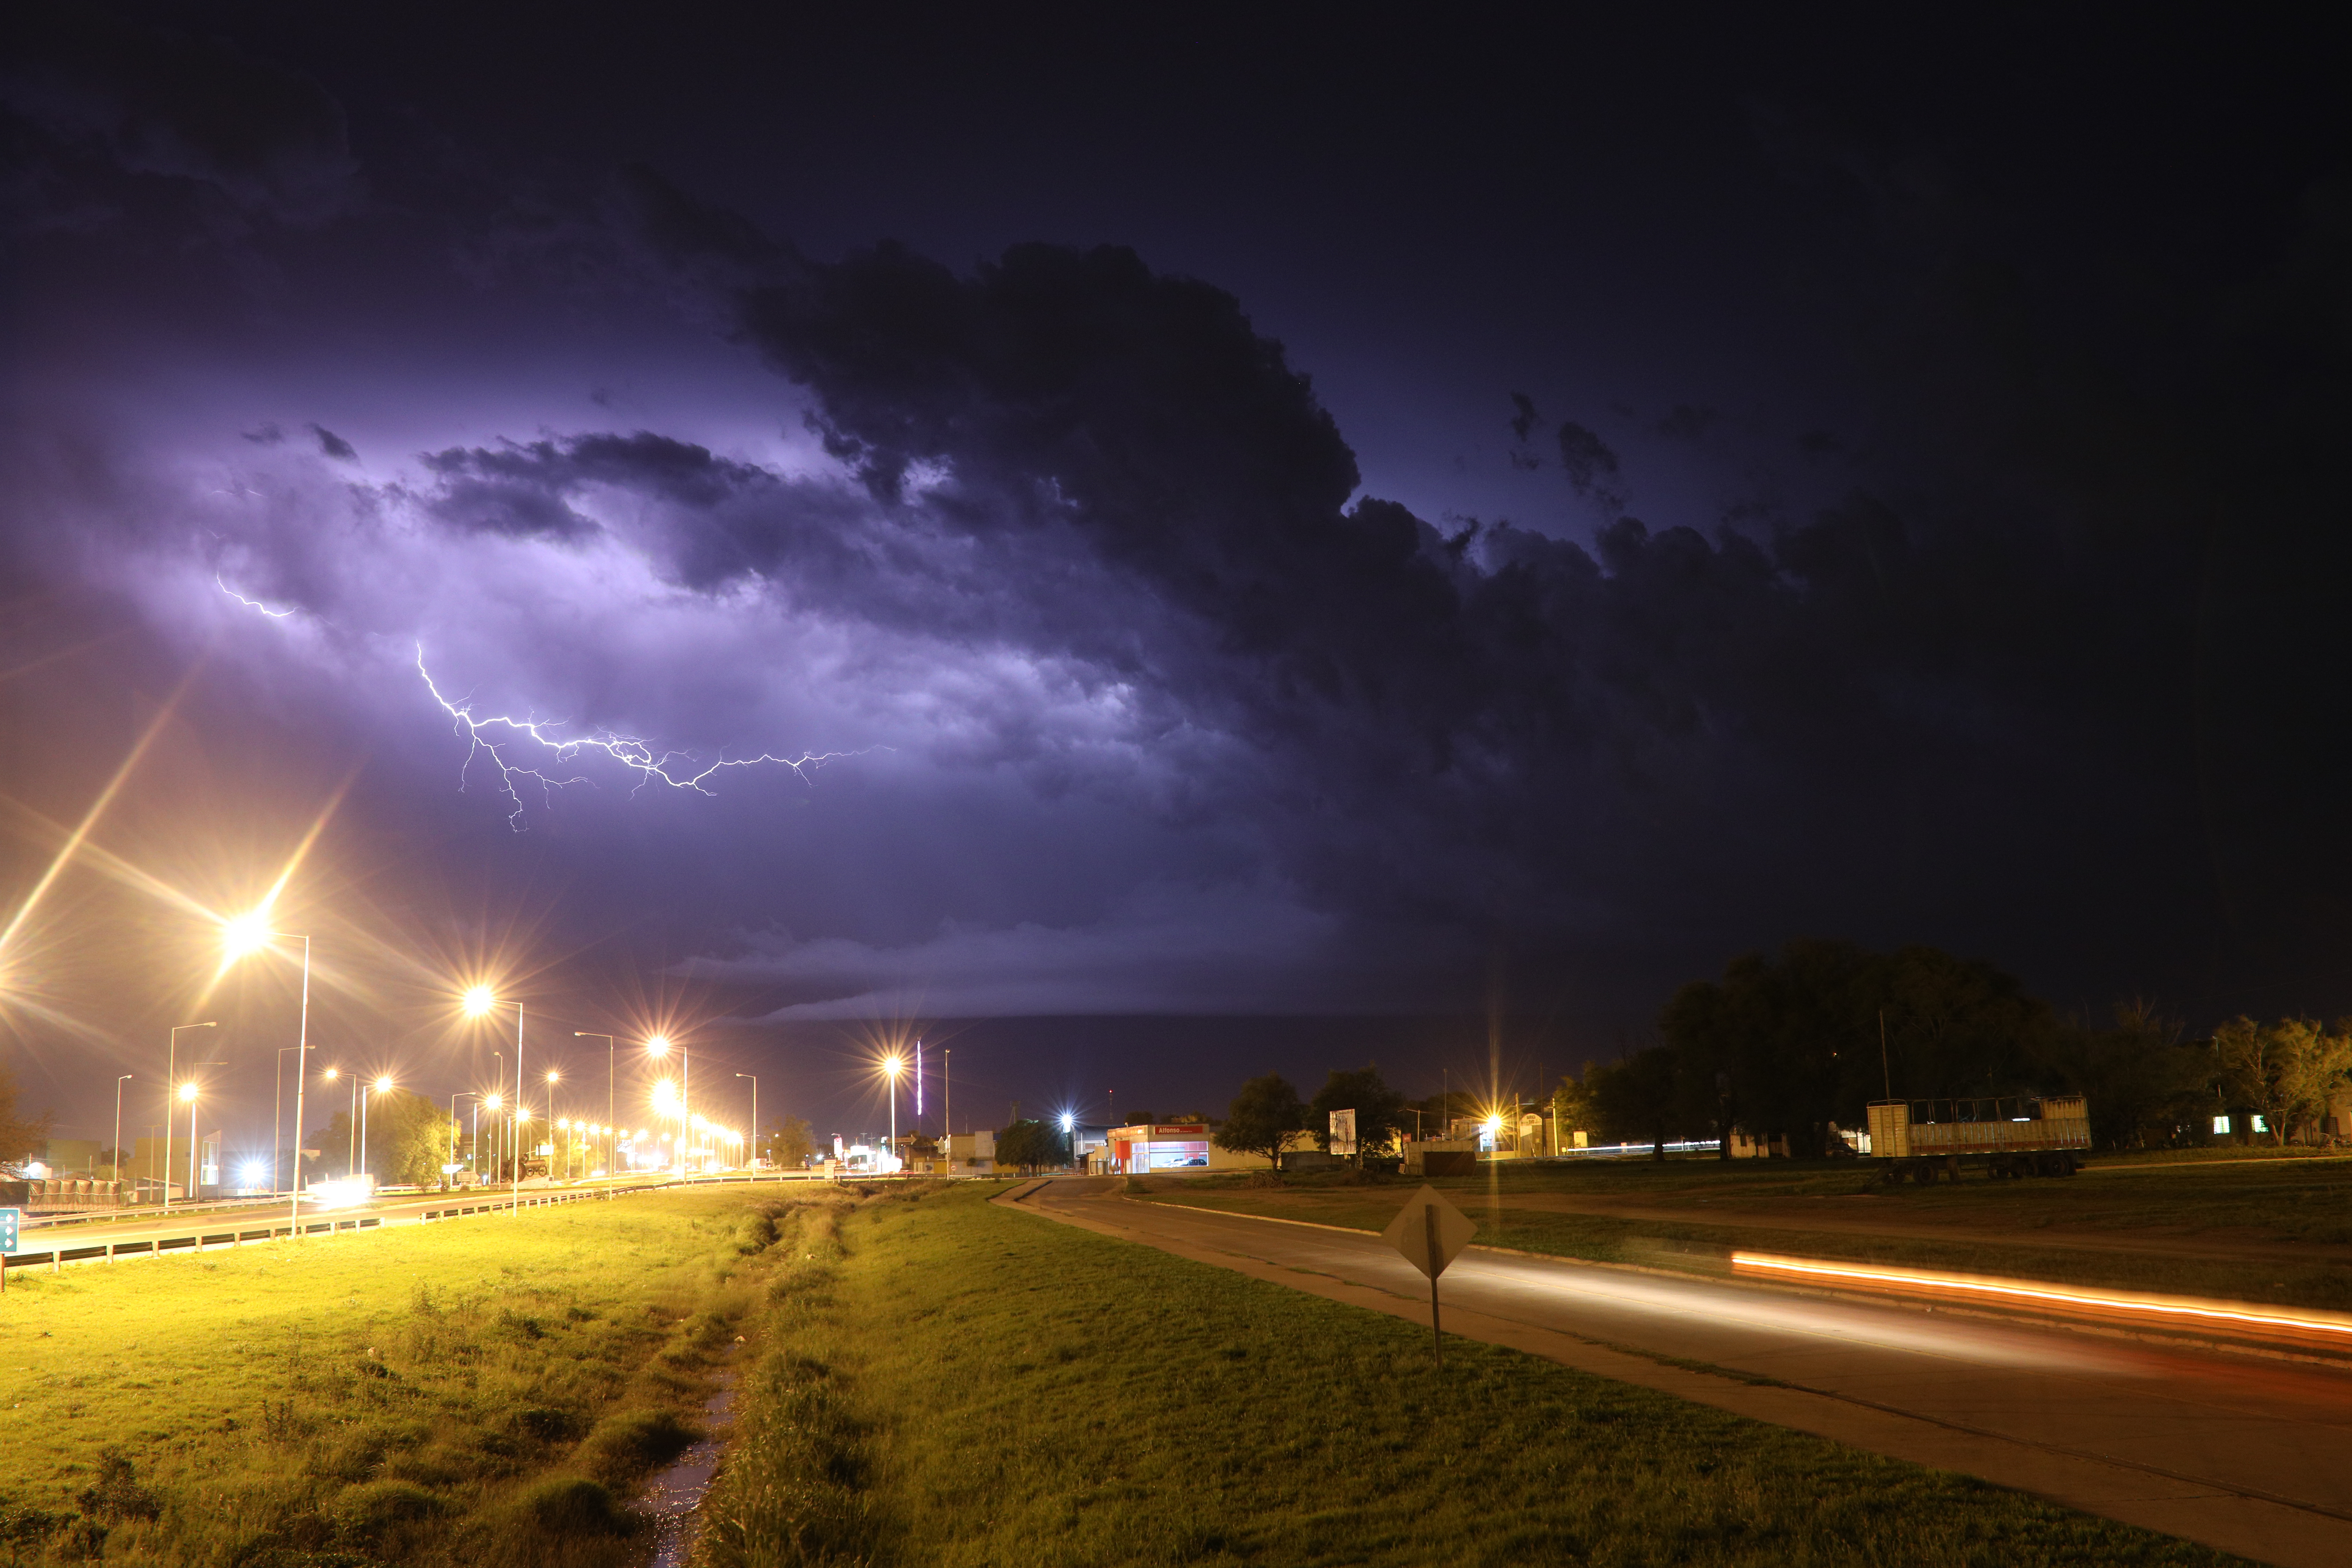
250	933
479	1001
1070	1132
351	1123
755	1116
172	1075
612	1081
659	1046
891	1067
382	1085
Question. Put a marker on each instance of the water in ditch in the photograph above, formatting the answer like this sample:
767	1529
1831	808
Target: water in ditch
675	1496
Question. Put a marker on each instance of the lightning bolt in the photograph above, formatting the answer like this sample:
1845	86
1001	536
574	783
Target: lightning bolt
488	734
249	603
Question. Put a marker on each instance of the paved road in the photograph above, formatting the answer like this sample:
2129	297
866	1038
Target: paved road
2252	1455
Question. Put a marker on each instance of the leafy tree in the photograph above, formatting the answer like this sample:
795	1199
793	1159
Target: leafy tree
2284	1071
2144	1083
1641	1100
1572	1106
790	1143
408	1138
21	1133
1030	1145
1262	1118
1379	1109
1787	1044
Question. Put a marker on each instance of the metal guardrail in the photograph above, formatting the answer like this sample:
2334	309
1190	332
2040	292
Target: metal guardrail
199	1240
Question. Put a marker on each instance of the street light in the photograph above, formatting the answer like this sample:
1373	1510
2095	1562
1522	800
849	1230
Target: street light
891	1067
612	1081
490	1102
188	1099
659	1046
382	1085
450	1177
118	1135
552	1078
351	1123
755	1116
479	1000
172	1075
1069	1132
250	933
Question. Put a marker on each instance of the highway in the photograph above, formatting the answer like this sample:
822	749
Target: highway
2247	1454
124	1237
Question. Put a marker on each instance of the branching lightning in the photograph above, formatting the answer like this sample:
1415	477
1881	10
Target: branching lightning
249	603
485	734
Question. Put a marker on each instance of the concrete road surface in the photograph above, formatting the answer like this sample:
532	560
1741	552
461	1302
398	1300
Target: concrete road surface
2251	1455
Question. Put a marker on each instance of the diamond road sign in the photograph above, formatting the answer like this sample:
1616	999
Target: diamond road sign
1430	1232
9	1218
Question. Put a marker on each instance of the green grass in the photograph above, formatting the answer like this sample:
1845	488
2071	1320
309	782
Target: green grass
486	1391
2270	1230
943	1382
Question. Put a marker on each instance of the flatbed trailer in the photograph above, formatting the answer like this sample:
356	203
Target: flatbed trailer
2004	1136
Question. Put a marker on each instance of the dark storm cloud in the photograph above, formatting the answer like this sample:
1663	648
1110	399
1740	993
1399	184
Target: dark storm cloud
90	94
334	445
1498	725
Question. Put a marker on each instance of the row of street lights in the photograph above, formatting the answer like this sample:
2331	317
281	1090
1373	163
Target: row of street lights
250	933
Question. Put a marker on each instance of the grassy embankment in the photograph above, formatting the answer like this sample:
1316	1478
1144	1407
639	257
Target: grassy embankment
486	1391
939	1382
2276	1229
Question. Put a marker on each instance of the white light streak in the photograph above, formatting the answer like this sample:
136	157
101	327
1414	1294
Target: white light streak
249	603
485	734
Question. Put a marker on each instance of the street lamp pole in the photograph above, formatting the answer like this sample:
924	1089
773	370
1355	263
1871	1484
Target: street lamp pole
118	1135
171	1087
611	1083
890	1070
755	1116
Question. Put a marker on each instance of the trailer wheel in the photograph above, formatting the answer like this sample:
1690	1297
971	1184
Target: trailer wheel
1924	1172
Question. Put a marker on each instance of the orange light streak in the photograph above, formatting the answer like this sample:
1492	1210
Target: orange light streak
2020	1290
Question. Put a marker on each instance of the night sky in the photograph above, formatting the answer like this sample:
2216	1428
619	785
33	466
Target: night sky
1243	541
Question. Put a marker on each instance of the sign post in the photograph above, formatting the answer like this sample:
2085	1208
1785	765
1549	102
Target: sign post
1343	1133
9	1218
1431	1233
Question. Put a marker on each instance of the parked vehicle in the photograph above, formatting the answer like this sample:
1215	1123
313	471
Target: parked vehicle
2020	1135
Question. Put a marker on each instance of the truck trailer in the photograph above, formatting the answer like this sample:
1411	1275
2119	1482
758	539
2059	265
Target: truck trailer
2009	1135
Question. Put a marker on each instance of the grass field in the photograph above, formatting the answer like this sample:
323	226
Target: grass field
486	1391
944	1382
2275	1230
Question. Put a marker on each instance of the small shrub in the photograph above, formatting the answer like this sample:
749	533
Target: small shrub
575	1505
546	1424
631	1441
117	1495
382	1514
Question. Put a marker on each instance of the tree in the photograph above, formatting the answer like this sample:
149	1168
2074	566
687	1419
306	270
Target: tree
1379	1109
1641	1098
408	1138
1030	1145
790	1143
2141	1080
1262	1118
20	1132
1787	1044
2285	1072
